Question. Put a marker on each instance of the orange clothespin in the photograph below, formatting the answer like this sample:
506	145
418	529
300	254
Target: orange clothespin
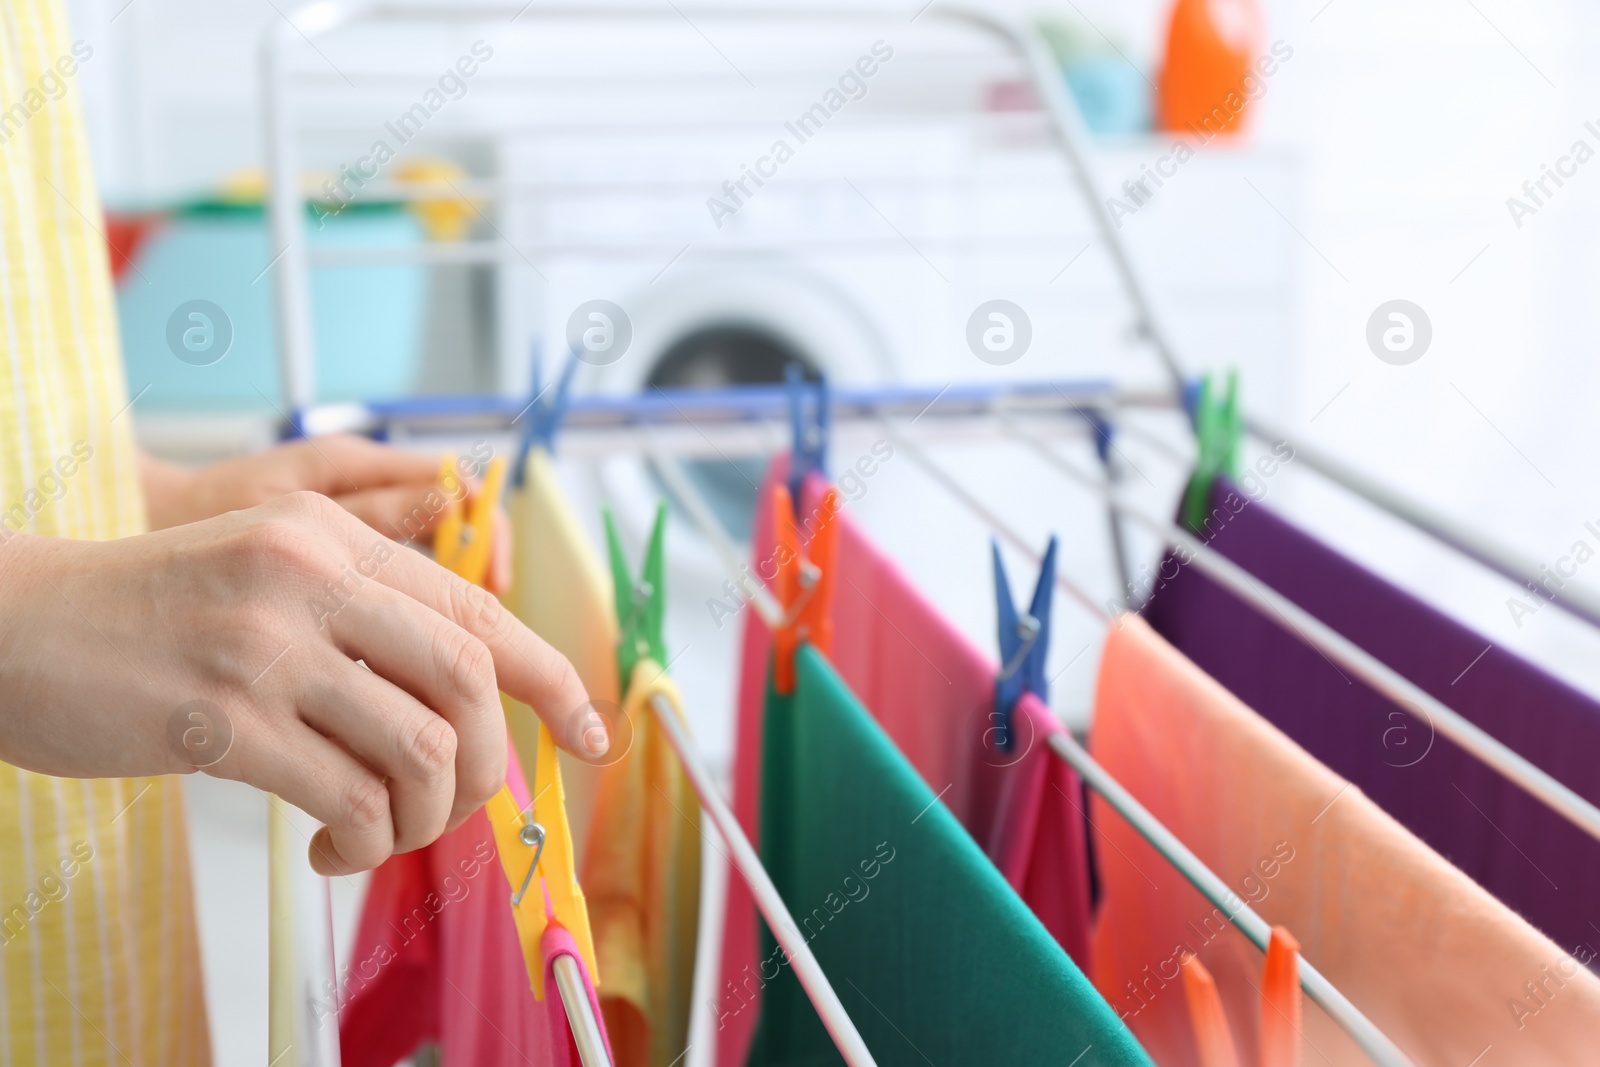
1280	1002
1212	1037
532	837
805	581
1280	1017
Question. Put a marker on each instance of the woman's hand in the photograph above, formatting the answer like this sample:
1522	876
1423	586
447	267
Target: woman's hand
387	488
231	645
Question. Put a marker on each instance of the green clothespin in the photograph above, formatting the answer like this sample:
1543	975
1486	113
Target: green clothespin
1230	428
1219	426
641	606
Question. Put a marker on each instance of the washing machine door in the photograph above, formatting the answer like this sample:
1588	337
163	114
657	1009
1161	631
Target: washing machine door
738	324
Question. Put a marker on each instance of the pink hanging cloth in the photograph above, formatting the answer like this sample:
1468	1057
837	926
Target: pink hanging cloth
437	959
933	692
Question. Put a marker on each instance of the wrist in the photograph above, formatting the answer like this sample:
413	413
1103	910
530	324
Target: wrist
19	561
71	665
27	563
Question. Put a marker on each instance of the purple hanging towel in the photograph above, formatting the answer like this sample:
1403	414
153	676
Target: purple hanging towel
1530	857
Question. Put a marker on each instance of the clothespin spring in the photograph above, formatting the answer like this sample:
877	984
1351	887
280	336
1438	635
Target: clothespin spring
810	578
532	835
642	592
1028	628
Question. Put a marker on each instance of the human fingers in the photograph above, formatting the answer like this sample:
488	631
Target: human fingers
525	666
309	771
395	735
336	464
407	513
446	670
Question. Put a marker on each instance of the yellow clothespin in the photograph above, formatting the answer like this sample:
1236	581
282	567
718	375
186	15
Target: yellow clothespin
462	535
535	844
536	853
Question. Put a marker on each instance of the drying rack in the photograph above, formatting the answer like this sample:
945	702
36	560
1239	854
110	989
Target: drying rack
666	426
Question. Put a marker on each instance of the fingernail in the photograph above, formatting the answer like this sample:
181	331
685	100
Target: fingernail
596	741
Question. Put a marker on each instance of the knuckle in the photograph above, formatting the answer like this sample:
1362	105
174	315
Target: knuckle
471	668
431	751
365	805
475	607
282	543
483	781
309	505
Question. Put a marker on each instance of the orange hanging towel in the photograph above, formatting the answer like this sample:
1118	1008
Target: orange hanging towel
1437	964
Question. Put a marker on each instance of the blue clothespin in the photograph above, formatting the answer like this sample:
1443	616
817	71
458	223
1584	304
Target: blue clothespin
809	434
1192	390
1103	429
543	416
1024	643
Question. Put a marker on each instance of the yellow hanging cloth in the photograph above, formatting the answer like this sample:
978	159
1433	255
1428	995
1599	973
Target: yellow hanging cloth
642	874
562	592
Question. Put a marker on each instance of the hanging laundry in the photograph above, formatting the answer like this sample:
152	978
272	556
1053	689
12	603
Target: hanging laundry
1533	859
932	692
636	818
437	959
561	591
642	878
1446	971
642	867
931	952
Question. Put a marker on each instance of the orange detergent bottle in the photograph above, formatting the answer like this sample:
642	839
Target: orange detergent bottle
1207	82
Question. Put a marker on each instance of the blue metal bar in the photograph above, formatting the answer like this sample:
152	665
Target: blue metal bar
737	403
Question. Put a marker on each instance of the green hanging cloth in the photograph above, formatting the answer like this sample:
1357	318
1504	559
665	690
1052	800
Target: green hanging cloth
934	956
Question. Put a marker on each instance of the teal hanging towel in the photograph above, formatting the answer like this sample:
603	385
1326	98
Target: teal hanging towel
935	957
